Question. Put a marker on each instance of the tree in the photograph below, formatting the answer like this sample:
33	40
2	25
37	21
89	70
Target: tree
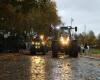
45	15
7	14
91	38
98	41
28	14
88	38
81	39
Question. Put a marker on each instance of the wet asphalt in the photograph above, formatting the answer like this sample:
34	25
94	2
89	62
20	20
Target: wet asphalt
44	67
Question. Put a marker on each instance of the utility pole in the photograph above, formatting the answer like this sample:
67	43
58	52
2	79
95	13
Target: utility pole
85	29
72	21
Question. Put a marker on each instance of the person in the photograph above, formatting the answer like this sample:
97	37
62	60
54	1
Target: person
85	48
88	48
82	49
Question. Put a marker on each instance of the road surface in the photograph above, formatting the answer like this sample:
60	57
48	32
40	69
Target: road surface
28	67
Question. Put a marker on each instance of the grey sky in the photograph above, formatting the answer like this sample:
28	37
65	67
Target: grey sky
84	12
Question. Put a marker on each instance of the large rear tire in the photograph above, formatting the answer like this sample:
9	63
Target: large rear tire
74	54
74	49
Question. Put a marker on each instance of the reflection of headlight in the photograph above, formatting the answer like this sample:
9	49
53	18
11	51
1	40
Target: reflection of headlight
64	41
33	43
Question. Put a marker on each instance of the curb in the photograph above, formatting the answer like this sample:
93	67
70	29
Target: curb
92	57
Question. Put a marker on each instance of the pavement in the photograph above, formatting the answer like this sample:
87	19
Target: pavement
15	66
92	56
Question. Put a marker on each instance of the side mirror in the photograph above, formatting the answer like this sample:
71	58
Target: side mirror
76	29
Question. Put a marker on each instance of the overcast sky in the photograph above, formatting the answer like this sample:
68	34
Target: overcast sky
84	12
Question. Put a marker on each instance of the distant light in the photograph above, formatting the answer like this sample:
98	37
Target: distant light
58	27
41	36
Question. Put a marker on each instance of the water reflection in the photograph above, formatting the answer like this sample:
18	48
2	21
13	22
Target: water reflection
59	69
37	68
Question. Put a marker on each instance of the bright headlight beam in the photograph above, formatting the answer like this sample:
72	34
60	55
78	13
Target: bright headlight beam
41	36
43	43
33	43
38	43
61	39
64	41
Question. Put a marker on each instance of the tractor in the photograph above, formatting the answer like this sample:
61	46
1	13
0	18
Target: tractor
64	41
39	44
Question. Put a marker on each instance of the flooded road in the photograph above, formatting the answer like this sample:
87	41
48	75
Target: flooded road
28	67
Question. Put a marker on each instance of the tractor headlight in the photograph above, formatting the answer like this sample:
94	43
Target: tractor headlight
43	43
38	43
61	39
33	43
64	41
41	37
37	47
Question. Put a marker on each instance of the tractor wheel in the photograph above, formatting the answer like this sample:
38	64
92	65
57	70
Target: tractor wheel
67	52
74	54
73	49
